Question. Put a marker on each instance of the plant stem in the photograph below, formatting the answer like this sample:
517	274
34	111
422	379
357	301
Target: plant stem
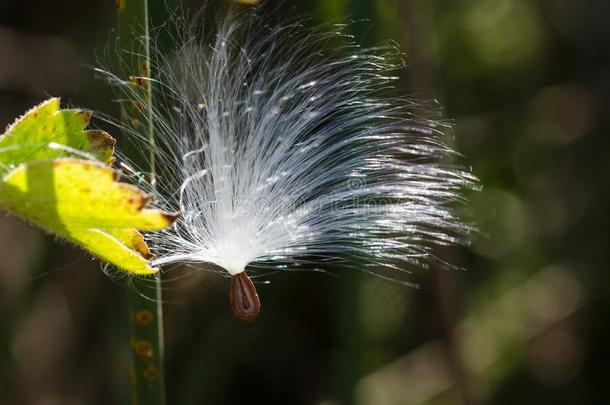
146	328
351	333
146	314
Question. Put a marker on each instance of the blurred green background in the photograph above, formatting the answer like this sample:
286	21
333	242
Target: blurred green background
526	84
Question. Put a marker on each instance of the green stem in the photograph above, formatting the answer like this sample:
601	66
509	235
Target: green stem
146	314
352	335
146	326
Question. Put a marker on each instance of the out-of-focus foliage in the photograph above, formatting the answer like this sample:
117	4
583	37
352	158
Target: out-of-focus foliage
526	85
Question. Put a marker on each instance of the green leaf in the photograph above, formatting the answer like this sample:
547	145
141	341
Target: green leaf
78	199
81	201
46	132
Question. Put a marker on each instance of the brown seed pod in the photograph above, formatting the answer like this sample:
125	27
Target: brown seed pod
244	298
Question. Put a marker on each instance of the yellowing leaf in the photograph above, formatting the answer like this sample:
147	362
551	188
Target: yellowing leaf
46	132
77	199
81	201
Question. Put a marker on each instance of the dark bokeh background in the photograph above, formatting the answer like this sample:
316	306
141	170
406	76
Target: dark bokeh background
526	83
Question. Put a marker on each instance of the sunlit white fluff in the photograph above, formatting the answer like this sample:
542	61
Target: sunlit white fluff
279	145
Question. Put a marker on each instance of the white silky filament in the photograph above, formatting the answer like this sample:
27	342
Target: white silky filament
285	151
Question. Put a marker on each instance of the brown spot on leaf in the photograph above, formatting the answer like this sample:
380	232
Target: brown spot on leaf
137	199
100	141
85	116
170	217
